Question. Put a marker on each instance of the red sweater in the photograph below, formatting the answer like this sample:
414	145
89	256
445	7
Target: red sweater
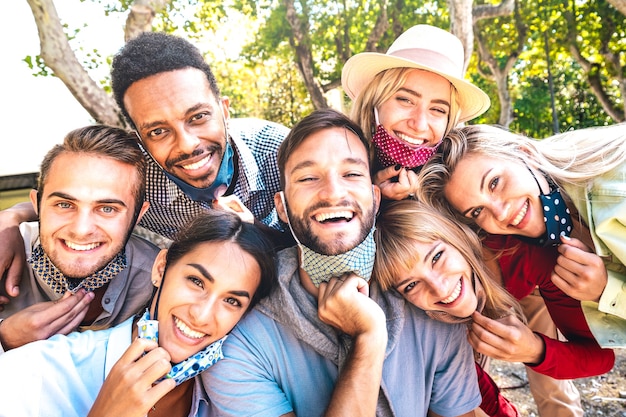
529	266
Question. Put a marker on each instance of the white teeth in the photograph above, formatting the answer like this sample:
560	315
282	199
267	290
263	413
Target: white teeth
455	294
335	215
520	215
198	164
412	141
76	246
186	330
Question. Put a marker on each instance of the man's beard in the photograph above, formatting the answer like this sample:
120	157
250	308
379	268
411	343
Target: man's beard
301	228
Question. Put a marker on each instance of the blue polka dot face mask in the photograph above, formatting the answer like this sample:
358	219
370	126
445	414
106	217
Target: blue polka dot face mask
556	215
190	367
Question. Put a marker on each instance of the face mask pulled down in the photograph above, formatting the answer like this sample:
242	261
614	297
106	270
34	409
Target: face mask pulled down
393	151
190	367
556	216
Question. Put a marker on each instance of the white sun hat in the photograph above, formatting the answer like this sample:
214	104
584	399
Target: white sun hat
423	47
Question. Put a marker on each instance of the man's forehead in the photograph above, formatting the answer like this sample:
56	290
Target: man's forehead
338	141
87	170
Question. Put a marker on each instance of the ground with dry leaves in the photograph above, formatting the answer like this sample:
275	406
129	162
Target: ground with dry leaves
603	395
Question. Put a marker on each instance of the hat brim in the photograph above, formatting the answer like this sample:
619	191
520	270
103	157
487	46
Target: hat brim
361	69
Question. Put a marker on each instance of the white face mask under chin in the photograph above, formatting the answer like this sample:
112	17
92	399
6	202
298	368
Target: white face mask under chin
321	268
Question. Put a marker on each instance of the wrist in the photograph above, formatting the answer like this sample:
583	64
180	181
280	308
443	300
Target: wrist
3	346
374	340
539	352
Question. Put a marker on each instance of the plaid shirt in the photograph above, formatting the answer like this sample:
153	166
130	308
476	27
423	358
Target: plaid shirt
256	143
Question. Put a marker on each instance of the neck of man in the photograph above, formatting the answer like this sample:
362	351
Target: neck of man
305	280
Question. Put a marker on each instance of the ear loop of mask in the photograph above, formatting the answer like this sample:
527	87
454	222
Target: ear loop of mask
149	329
282	198
158	295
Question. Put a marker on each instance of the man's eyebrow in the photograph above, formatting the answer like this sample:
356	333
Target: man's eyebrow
192	109
309	163
202	270
64	196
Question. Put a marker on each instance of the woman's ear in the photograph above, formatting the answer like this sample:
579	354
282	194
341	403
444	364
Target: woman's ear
158	268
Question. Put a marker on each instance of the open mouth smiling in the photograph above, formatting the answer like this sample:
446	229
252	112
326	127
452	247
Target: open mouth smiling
455	294
186	330
410	140
334	217
81	247
520	216
199	164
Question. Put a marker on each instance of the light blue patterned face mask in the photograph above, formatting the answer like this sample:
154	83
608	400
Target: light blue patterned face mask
321	268
190	367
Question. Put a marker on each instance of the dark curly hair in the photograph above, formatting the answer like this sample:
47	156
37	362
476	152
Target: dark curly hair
152	53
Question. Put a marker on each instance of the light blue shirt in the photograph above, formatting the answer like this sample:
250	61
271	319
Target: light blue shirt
61	376
288	360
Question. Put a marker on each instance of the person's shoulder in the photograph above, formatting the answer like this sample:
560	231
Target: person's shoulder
250	128
142	245
30	234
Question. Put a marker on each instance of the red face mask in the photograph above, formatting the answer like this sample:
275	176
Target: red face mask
393	151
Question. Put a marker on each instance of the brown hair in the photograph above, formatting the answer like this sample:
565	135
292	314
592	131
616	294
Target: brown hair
105	141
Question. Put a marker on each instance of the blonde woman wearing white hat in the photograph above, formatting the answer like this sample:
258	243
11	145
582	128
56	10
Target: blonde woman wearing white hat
407	99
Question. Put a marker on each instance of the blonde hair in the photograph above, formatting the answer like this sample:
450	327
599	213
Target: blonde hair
575	157
402	223
382	87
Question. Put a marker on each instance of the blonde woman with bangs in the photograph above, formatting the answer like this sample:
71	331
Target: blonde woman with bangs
437	265
555	209
409	230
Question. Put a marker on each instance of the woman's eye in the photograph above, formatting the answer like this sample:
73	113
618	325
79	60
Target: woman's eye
476	212
404	100
494	182
233	301
409	287
437	256
197	281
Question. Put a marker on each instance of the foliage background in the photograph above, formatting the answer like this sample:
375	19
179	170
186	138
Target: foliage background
548	65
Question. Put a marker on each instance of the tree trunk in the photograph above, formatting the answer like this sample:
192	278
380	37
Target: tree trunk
592	70
500	71
301	44
140	17
57	54
462	19
620	5
461	26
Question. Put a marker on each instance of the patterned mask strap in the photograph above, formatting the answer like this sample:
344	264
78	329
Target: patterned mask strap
59	283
